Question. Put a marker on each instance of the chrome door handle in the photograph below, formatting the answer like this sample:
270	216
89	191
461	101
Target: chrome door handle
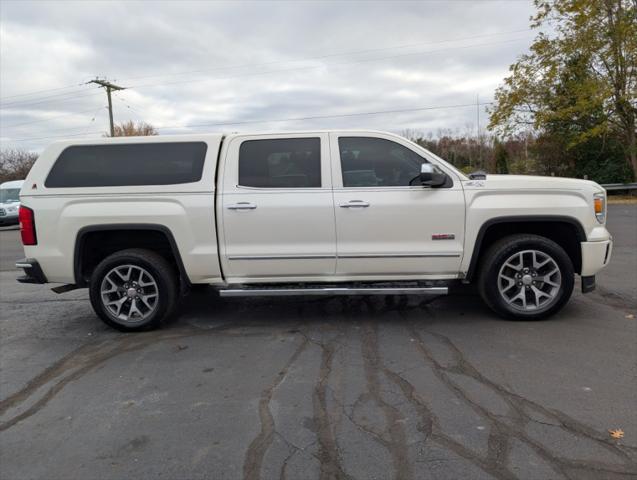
242	206
355	204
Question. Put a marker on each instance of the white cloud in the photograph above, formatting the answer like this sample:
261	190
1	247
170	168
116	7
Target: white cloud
213	62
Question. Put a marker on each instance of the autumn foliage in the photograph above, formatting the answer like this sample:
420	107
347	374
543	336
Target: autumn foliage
15	164
132	129
576	89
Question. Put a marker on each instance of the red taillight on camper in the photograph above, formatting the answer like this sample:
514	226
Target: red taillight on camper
27	226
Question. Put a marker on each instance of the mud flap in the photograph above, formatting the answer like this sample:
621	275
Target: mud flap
588	284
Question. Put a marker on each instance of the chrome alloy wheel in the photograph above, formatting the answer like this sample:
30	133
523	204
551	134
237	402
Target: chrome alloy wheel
129	293
529	280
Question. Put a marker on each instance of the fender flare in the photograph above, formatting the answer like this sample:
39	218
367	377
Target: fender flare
579	229
77	252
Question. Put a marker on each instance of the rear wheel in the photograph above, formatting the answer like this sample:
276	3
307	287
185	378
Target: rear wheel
526	277
134	290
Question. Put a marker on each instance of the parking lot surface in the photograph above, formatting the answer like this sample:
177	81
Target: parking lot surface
354	388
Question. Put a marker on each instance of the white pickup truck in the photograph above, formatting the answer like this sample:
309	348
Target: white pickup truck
138	220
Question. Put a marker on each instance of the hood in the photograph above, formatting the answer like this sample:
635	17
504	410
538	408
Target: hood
507	182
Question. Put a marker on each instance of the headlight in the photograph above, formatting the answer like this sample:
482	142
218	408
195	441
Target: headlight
12	209
599	201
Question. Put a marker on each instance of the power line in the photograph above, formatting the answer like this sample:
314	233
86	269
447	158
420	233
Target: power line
47	119
316	117
35	92
313	67
319	57
92	119
35	101
330	55
71	129
103	84
55	136
66	97
73	95
320	66
353	52
126	103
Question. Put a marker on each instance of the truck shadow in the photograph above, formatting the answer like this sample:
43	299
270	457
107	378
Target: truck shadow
206	309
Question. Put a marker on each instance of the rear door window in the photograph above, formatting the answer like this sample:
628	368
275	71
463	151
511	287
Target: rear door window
128	165
280	163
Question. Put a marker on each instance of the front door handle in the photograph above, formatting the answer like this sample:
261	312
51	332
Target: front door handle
355	204
242	206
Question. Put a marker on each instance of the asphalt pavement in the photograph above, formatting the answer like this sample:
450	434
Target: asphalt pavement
353	388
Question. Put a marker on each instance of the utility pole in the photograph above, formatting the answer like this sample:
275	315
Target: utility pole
109	87
478	130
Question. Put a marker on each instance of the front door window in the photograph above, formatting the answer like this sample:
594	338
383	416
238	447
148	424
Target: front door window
376	162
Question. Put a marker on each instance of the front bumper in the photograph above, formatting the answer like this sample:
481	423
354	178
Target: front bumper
595	256
32	271
9	220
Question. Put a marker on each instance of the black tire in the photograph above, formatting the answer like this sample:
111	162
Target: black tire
500	252
161	272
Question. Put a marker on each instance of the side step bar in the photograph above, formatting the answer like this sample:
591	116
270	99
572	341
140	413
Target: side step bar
272	292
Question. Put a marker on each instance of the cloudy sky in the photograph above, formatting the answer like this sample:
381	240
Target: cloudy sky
244	66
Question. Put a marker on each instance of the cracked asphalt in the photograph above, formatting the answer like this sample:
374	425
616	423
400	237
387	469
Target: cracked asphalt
352	388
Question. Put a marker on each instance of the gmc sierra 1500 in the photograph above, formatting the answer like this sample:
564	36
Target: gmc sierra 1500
137	220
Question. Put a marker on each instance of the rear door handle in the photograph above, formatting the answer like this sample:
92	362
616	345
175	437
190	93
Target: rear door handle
242	206
355	204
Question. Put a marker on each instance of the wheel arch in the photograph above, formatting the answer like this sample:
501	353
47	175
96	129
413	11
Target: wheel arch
136	232
566	231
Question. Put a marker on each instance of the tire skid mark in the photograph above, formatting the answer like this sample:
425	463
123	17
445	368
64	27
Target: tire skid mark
35	302
85	359
394	438
431	429
567	423
496	454
262	442
51	372
498	446
328	452
73	366
295	449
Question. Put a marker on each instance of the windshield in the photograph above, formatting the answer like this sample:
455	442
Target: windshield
9	195
444	162
449	165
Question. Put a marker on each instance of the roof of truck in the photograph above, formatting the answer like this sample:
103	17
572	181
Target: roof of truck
196	136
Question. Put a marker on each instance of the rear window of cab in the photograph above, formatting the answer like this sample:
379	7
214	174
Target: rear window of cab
133	164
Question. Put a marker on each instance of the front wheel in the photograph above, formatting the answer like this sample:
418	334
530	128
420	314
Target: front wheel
133	290
526	277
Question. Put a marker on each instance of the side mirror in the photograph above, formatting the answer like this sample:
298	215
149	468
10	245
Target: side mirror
430	177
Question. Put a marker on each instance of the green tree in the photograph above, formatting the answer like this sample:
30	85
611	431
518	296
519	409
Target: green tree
580	82
501	158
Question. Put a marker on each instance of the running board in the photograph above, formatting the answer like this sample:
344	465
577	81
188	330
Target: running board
272	292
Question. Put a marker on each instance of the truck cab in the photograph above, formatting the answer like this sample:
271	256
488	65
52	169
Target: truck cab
301	213
348	207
